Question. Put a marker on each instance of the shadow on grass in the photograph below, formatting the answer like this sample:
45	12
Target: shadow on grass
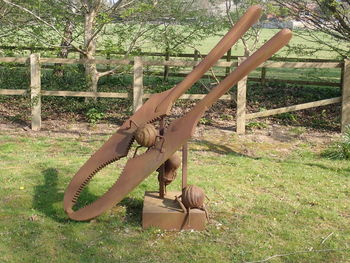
133	210
47	194
220	148
17	120
342	171
48	199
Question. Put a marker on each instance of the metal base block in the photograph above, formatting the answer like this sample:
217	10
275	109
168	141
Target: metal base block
167	214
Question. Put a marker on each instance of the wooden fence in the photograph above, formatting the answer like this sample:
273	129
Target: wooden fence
264	78
35	61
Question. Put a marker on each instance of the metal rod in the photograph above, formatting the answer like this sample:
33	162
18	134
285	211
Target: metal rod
184	165
162	168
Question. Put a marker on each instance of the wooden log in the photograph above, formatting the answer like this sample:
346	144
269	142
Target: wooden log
270	64
63	93
35	87
301	82
293	108
13	92
138	83
345	111
183	63
241	102
191	96
83	61
14	60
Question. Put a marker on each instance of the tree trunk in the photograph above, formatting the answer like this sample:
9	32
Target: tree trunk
91	72
166	68
65	43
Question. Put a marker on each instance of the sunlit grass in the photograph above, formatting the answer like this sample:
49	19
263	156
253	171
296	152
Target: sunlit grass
261	205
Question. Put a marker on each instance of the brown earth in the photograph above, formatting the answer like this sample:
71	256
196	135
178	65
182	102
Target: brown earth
274	140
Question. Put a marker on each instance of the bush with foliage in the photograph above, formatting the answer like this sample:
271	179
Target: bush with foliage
340	149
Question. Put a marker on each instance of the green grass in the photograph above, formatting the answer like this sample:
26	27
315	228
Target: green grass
204	46
266	203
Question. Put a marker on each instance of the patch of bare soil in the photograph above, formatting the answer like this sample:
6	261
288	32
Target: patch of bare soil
274	139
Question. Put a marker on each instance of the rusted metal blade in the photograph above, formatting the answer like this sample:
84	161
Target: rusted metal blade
178	132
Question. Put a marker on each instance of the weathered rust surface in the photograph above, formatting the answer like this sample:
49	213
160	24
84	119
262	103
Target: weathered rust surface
165	213
175	135
193	197
146	135
170	167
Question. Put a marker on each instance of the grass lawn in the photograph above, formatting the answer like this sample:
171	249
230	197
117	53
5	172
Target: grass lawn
204	46
266	198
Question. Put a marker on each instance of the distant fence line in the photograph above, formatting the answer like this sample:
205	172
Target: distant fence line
195	55
138	95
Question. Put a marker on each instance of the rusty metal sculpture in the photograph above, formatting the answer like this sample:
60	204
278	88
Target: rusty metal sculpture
176	133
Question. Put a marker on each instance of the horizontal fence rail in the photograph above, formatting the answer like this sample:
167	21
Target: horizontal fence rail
303	106
108	53
137	93
232	61
175	63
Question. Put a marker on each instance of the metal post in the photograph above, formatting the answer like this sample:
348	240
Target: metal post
184	165
162	167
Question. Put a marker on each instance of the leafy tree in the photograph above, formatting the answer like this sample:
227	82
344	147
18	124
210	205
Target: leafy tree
330	17
74	23
171	26
236	8
84	24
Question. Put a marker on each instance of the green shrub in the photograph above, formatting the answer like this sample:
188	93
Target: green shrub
341	149
256	125
94	115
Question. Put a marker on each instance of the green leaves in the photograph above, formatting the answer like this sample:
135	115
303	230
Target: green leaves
341	149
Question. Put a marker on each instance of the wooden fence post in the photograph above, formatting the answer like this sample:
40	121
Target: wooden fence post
81	67
345	108
228	59
195	56
108	56
35	90
241	102
166	68
263	76
138	83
